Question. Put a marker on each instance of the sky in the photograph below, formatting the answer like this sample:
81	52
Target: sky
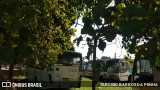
112	49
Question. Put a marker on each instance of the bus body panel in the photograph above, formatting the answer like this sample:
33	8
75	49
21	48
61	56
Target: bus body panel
34	74
66	72
124	76
111	69
118	71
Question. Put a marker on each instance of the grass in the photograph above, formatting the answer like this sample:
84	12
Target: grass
98	88
19	77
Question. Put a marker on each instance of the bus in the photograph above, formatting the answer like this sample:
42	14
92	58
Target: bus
66	73
117	70
100	65
87	72
111	70
142	71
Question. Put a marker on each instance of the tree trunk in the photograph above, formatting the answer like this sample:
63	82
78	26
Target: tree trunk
11	67
94	62
1	74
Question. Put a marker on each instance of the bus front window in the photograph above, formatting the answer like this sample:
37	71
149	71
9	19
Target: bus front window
113	69
76	60
69	60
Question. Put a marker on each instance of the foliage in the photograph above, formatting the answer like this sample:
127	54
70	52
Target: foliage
98	22
98	19
36	30
139	26
137	21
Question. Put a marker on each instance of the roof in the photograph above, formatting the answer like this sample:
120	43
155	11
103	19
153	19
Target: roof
116	60
71	51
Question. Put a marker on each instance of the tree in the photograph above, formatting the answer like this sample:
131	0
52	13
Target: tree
137	21
35	30
141	25
98	19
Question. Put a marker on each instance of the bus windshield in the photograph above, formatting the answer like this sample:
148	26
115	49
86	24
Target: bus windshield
70	58
116	66
113	69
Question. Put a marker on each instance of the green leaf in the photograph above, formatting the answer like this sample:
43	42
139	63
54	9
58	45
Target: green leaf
156	16
42	26
136	50
24	34
111	37
88	29
134	10
1	38
88	40
131	27
101	45
108	15
157	62
96	15
24	51
79	40
84	30
7	55
120	7
88	2
87	20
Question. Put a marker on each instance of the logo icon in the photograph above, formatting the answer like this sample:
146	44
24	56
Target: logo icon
6	84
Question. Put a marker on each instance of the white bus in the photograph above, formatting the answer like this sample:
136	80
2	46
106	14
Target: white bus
87	72
116	70
66	73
